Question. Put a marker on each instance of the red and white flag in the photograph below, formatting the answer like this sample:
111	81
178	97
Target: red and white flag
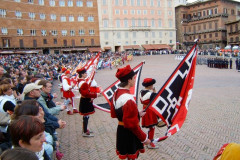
172	101
109	91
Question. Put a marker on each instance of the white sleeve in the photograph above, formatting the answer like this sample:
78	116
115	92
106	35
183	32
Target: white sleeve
66	87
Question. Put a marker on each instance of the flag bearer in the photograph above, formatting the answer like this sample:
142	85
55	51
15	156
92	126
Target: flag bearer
130	137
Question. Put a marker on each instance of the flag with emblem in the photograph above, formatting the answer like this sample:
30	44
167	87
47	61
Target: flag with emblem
171	102
109	91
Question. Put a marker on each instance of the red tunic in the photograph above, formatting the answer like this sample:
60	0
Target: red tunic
150	118
129	134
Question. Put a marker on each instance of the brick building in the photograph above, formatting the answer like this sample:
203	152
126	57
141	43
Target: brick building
233	33
206	20
49	26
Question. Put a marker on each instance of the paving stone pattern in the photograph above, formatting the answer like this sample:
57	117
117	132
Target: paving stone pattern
213	117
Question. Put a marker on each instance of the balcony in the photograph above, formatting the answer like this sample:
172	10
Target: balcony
206	31
196	18
140	28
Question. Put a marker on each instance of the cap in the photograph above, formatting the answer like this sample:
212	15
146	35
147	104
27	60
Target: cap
67	72
64	69
81	70
148	82
29	87
125	73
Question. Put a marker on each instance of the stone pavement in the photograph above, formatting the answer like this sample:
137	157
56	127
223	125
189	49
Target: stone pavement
213	117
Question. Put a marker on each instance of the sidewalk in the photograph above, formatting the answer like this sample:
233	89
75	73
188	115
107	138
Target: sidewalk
212	120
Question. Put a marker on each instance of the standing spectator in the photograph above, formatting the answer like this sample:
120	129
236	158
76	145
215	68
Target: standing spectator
230	63
130	137
21	83
237	63
7	100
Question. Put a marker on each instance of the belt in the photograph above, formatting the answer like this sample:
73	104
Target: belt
120	123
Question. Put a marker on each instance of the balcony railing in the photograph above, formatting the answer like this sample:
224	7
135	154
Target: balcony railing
198	18
140	28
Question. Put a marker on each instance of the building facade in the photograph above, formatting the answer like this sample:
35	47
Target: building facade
205	20
233	33
129	24
51	26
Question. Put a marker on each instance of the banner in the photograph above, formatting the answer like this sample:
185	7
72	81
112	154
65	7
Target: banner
172	100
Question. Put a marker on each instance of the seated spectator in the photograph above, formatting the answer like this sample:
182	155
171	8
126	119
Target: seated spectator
46	99
28	132
31	108
32	91
18	153
7	100
21	83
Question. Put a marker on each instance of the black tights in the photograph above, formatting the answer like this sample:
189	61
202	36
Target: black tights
85	123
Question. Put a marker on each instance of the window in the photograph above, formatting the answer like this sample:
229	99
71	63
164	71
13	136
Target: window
118	23
139	22
63	19
70	3
71	18
118	35
52	3
105	35
199	27
61	3
80	18
55	40
216	34
138	12
126	34
215	11
73	42
146	34
237	39
104	2
43	32
34	43
117	11
41	2
44	41
18	14
145	22
106	43
21	43
159	23
126	42
151	3
116	2
138	2
65	43
169	13
160	34
170	41
64	32
144	12
225	10
3	12
210	25
105	23
144	2
79	3
204	26
133	22
134	34
30	1
91	32
153	34
132	2
134	42
159	12
236	27
232	11
153	42
19	32
53	17
90	18
54	33
104	11
171	34
199	14
169	3
146	42
124	2
89	4
4	31
152	12
125	12
153	23
17	0
205	36
125	22
92	42
31	15
81	32
210	12
158	3
204	13
33	32
82	41
132	12
170	23
42	16
216	25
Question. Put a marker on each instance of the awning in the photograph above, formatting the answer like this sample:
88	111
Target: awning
6	52
95	49
227	47
235	48
130	47
74	49
107	48
161	46
147	46
27	51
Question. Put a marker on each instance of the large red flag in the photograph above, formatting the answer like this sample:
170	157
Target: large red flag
172	100
109	91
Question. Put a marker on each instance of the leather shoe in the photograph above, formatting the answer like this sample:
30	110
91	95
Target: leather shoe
69	113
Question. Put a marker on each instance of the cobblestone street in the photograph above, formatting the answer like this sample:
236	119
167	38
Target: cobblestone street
212	120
